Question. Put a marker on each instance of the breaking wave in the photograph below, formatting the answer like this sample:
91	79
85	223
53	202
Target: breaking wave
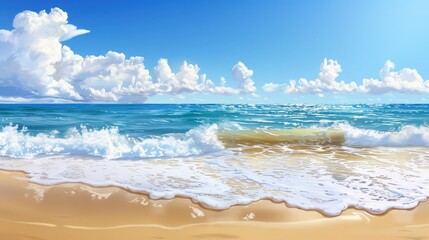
107	143
407	136
337	134
327	179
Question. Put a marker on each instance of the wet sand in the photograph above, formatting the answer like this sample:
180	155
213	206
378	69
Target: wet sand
78	211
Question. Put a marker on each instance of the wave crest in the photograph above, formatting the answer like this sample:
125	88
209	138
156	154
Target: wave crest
307	136
336	134
107	143
110	143
408	135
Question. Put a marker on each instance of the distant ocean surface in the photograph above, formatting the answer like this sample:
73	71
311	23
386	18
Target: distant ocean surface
320	157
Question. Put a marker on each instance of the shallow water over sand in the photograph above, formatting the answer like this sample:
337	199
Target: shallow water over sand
223	155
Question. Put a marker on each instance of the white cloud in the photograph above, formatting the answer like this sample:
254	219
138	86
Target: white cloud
272	87
30	52
405	81
102	95
34	64
326	81
243	76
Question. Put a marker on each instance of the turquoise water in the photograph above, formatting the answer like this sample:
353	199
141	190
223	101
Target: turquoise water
322	157
158	119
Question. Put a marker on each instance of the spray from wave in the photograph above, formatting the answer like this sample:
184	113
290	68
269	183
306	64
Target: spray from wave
328	179
107	143
408	135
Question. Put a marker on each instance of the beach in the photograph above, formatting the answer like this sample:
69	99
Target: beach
213	120
214	172
78	211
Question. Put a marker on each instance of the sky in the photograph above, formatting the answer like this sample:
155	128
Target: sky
191	51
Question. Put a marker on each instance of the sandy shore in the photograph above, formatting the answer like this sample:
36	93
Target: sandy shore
77	211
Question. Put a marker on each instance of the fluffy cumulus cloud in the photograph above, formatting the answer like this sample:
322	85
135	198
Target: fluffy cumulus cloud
35	65
404	81
272	87
243	75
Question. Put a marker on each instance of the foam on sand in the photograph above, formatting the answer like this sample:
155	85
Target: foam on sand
322	169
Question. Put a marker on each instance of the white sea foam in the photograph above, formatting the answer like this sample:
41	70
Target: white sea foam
374	179
408	135
392	173
107	143
110	143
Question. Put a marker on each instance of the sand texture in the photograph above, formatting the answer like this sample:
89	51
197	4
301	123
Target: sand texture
78	211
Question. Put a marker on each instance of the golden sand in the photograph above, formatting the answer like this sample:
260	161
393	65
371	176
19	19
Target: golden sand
78	211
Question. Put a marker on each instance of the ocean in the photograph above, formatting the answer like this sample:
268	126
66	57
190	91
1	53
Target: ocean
318	157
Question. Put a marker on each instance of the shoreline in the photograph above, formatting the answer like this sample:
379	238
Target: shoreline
80	211
206	207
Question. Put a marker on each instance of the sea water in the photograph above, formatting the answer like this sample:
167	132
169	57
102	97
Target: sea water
319	157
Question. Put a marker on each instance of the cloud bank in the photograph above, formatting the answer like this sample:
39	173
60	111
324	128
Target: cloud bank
404	81
35	65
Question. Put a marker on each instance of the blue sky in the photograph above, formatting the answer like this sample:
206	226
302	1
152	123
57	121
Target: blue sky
278	40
